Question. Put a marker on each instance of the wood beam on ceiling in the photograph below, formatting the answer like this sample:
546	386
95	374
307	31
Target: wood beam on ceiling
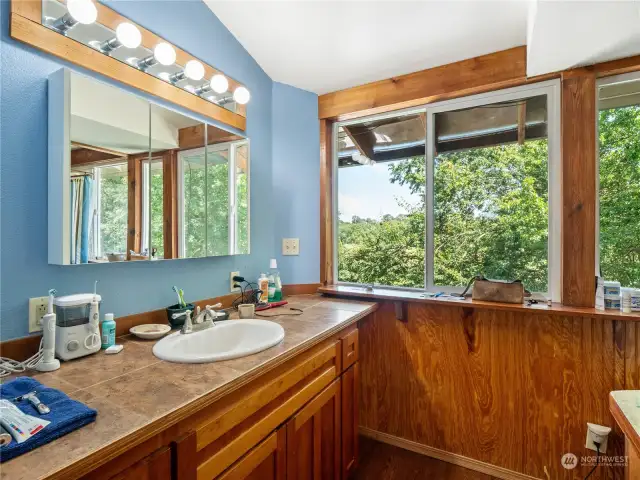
363	138
497	70
86	156
193	137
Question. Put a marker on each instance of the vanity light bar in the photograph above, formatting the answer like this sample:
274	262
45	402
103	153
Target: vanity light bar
128	35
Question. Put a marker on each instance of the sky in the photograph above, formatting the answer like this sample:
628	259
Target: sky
366	191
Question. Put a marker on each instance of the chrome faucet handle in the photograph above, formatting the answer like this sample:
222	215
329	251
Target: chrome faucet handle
187	327
213	307
181	314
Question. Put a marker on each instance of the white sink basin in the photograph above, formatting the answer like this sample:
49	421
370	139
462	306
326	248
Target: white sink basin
226	340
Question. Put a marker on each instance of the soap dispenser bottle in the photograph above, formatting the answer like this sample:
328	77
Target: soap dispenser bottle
275	284
263	286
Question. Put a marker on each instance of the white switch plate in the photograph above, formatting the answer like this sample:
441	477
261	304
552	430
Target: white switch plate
37	309
233	289
290	246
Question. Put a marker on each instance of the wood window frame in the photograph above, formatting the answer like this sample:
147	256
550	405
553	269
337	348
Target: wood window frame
26	26
479	75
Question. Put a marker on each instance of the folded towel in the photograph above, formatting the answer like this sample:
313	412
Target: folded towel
66	414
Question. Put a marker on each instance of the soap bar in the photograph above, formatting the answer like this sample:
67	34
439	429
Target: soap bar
113	349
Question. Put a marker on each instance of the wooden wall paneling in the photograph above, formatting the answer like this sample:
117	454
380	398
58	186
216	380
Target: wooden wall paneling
326	202
578	187
170	203
35	34
134	206
509	389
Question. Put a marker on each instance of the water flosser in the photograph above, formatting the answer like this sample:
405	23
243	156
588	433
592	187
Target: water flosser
94	318
49	362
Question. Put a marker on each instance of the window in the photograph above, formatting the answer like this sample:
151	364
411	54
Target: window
212	217
153	206
619	179
431	197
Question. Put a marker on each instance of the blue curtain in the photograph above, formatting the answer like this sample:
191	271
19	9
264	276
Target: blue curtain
81	213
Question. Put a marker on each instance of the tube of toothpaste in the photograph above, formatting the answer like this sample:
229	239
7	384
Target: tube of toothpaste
20	425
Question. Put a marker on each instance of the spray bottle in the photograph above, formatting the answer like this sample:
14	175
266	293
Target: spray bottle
48	362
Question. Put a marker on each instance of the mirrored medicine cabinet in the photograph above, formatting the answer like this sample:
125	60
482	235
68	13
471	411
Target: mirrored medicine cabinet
130	180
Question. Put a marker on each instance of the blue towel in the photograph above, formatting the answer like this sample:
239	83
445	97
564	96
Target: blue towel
66	414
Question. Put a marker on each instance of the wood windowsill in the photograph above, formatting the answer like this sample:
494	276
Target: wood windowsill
409	296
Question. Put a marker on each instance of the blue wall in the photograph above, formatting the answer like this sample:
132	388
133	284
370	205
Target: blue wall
141	286
296	181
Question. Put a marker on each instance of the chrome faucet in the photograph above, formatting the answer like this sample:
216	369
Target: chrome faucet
204	319
187	327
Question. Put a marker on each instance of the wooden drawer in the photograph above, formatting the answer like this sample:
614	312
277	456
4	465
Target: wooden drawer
349	349
245	418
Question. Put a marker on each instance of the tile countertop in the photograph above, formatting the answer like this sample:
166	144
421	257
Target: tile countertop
133	389
625	408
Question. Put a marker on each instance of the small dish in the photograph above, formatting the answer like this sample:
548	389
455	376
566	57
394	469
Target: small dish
150	331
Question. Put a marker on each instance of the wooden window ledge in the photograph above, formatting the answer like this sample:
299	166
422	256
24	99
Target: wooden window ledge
412	296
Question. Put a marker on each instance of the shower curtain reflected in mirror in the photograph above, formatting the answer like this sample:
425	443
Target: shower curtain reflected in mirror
81	218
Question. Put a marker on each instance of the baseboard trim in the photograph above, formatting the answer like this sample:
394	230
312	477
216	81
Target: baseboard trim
22	348
453	458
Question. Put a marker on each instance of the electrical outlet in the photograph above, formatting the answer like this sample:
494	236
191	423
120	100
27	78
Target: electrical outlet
597	433
290	246
233	289
37	309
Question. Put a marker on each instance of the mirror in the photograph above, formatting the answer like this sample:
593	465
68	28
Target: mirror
140	181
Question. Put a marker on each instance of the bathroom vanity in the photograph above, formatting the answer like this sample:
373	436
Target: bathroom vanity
288	411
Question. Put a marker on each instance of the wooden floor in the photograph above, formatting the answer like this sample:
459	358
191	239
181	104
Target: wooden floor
379	461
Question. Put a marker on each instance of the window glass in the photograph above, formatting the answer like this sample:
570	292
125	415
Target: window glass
491	201
381	210
194	221
153	217
242	199
619	165
218	200
112	208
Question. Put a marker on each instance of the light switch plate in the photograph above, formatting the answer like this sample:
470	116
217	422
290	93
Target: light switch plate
290	246
37	309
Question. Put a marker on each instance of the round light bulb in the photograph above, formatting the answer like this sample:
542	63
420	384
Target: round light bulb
219	83
194	70
164	54
241	95
128	35
83	11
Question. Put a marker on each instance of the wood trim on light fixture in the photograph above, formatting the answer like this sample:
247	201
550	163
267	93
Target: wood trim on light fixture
26	26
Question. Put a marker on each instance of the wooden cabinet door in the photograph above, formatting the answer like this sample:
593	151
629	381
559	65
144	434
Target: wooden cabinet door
156	466
313	438
266	461
350	405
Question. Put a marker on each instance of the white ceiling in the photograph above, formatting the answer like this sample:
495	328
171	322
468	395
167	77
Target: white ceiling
324	46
